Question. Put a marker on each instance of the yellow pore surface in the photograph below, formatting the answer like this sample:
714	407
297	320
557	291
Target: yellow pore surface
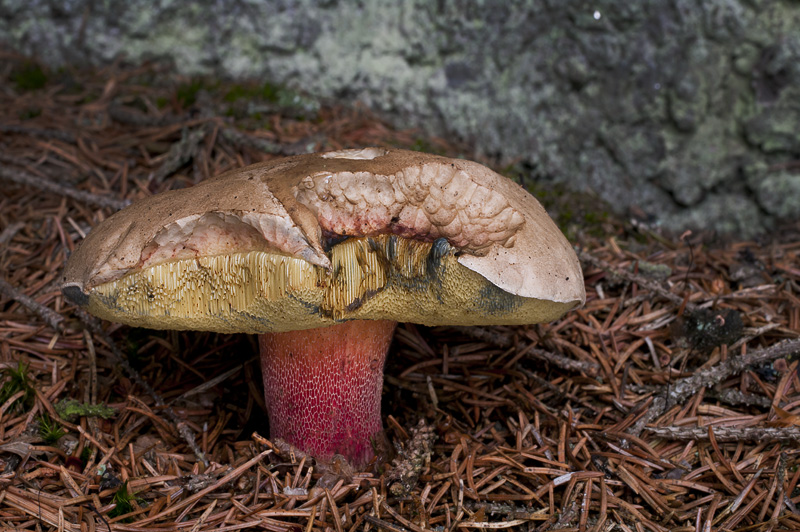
382	277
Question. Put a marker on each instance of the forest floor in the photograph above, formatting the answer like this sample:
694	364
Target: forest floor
670	401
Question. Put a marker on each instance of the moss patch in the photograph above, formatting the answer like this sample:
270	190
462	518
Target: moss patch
29	76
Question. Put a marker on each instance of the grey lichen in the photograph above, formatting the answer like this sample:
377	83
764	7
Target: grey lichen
654	105
779	194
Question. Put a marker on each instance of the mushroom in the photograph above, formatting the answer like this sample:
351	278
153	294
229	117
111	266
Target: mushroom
321	255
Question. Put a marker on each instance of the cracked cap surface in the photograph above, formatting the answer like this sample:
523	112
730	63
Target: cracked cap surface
309	240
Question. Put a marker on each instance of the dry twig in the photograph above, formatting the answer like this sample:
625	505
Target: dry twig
24	178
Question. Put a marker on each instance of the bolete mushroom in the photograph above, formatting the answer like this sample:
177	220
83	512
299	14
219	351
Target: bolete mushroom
321	255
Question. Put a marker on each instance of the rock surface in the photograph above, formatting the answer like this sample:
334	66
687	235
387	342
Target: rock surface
686	111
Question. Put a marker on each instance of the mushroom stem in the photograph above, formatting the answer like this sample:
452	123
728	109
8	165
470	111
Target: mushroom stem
323	387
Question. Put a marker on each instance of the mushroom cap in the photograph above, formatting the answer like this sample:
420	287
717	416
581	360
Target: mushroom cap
311	240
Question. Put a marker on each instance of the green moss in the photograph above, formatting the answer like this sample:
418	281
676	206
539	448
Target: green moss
572	211
186	94
281	97
17	381
125	502
267	92
50	431
424	145
237	92
565	217
70	409
29	77
595	217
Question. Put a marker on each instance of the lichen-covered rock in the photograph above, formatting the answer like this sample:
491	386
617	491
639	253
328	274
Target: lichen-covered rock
728	213
619	97
776	128
779	194
707	159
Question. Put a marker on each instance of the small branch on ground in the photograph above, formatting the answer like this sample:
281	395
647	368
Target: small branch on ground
58	134
180	153
24	178
52	318
729	434
565	363
10	232
734	397
706	378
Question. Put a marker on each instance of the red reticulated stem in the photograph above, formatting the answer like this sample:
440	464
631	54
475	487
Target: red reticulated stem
323	387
